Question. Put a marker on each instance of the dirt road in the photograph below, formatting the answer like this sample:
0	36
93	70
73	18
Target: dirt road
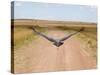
41	55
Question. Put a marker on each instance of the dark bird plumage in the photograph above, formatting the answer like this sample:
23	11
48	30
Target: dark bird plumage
56	42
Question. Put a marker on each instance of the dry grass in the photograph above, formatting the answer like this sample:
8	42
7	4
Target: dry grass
89	38
23	36
48	23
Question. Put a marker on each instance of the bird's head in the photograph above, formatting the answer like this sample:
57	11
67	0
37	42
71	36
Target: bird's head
58	43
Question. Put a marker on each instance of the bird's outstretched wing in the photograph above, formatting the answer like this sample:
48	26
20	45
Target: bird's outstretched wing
71	35
41	34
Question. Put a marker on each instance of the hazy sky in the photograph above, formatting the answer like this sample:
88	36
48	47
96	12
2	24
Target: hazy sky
63	12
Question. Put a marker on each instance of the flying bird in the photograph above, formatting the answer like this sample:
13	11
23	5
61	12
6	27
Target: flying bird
56	42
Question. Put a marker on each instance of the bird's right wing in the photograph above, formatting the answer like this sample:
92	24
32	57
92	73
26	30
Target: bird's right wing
41	34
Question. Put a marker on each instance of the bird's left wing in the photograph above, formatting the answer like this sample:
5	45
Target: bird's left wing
62	39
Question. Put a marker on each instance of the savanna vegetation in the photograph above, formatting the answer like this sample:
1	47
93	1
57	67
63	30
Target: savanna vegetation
24	35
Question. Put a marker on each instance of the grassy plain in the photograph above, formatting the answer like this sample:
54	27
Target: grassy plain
24	35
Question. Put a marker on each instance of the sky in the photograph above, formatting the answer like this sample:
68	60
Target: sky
50	11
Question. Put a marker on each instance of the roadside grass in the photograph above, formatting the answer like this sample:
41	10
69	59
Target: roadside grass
68	28
24	36
89	38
